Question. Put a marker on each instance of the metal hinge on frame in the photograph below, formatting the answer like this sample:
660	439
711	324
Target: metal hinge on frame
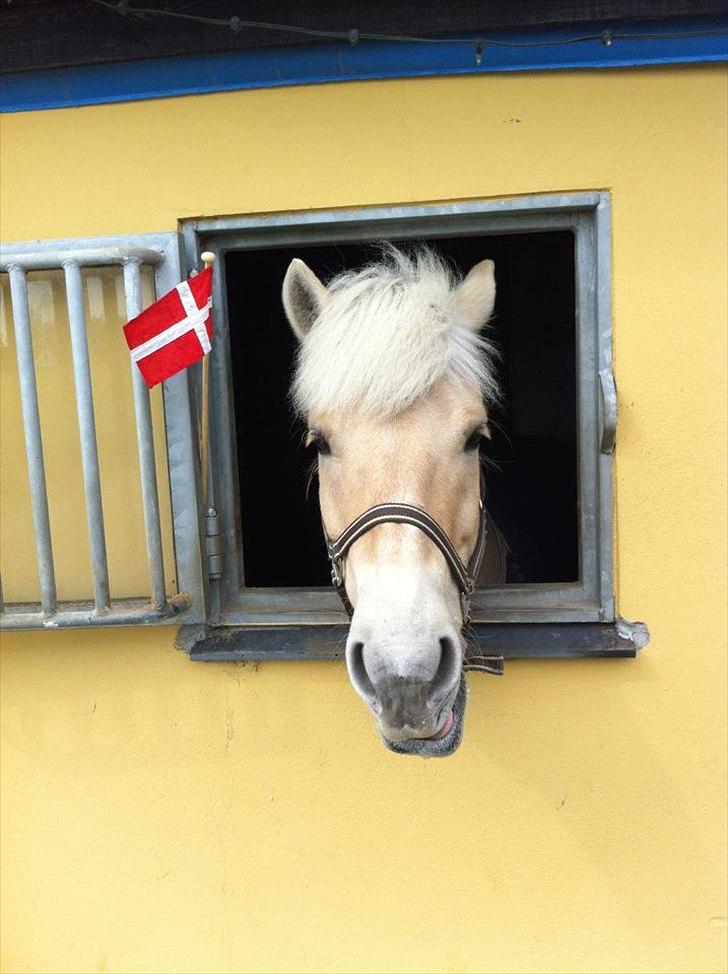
213	543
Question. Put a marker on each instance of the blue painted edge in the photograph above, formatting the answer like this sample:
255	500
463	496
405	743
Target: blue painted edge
557	49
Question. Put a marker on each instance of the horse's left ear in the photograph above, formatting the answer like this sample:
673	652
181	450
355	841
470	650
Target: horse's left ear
476	295
303	297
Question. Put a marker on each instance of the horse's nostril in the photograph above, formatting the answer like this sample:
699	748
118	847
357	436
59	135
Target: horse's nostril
448	669
358	671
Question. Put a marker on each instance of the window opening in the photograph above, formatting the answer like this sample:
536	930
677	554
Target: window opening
531	460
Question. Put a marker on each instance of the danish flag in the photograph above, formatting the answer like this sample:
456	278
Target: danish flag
174	332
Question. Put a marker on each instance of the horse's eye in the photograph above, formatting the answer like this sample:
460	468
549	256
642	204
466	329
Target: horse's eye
316	438
473	441
322	445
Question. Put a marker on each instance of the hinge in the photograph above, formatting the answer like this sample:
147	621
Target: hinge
213	543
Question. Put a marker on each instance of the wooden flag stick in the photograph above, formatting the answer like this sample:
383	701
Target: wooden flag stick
208	258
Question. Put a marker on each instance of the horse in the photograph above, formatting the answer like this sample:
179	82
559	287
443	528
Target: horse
395	382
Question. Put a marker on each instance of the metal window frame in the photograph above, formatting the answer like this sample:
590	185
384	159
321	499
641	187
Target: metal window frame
588	216
189	604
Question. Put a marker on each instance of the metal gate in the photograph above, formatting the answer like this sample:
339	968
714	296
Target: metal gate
162	252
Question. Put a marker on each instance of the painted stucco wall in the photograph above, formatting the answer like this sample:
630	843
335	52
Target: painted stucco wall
160	815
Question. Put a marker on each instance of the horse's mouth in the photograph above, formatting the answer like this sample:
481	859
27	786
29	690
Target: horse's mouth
446	740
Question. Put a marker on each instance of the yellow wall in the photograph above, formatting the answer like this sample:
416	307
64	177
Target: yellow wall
165	816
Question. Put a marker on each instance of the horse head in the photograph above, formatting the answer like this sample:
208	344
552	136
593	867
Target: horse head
394	380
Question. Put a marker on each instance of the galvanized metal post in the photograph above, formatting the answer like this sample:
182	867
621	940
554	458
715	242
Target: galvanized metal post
87	431
213	542
145	443
33	438
208	259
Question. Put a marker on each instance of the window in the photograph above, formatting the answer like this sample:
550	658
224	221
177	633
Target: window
550	491
112	496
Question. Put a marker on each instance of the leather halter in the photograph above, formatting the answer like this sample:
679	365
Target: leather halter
465	576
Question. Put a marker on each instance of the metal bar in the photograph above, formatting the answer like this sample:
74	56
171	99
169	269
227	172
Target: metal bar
487	602
85	257
184	481
33	438
145	444
222	432
203	433
302	616
87	431
130	612
467	225
603	295
522	206
587	403
208	487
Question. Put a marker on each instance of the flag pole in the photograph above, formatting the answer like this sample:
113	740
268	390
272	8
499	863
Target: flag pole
208	259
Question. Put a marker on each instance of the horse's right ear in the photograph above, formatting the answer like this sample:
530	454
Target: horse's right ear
476	295
303	297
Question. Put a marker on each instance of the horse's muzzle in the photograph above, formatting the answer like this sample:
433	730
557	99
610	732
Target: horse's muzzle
438	745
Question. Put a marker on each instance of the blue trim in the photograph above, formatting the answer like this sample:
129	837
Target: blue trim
339	61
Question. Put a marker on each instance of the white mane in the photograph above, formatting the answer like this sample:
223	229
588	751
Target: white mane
385	335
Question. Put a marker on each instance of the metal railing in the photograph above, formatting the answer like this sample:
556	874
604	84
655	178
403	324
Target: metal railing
160	606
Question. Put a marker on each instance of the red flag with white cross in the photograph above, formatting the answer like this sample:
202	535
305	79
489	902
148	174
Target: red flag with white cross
174	332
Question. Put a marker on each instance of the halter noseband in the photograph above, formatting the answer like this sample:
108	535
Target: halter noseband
465	576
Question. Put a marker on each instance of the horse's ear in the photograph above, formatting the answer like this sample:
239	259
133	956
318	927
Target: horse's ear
476	295
303	297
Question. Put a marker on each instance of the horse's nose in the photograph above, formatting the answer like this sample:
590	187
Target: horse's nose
411	698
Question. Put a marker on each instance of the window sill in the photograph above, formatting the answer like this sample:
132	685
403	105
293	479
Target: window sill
511	640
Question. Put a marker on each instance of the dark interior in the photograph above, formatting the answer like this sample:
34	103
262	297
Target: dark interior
530	460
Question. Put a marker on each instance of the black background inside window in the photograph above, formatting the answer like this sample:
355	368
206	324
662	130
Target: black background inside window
531	472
